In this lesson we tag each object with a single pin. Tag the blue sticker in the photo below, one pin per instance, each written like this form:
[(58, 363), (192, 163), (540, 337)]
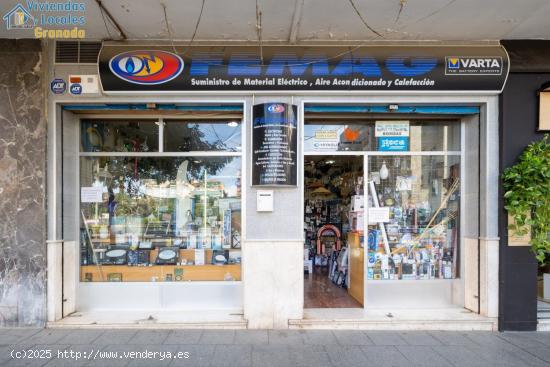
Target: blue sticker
[(76, 88), (58, 86), (393, 144)]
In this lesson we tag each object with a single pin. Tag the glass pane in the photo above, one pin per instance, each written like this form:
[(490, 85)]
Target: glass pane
[(419, 197), (330, 137), (185, 136), (431, 135), (119, 136), (160, 219)]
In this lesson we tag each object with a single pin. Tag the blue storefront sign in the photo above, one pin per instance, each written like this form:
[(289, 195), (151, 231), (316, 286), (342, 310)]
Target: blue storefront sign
[(393, 144)]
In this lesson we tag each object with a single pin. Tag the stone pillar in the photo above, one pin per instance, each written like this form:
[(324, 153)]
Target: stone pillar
[(22, 185)]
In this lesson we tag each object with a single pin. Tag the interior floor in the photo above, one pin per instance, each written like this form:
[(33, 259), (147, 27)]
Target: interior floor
[(321, 292)]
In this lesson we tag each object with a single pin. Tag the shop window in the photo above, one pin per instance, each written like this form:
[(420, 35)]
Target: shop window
[(183, 136), (158, 217), (418, 198), (119, 136), (331, 136)]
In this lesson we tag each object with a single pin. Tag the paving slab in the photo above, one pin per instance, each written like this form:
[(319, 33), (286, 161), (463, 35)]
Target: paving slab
[(352, 337)]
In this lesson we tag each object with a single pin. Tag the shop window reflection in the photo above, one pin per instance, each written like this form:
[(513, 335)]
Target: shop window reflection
[(160, 218), (119, 136), (183, 136)]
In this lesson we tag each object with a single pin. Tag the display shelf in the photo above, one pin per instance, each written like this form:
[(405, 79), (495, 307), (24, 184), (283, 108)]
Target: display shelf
[(100, 273)]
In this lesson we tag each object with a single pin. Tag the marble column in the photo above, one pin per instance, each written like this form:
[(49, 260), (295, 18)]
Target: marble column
[(22, 184)]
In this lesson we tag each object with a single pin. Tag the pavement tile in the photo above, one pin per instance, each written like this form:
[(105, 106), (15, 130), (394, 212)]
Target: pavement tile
[(81, 336), (251, 337), (487, 339), (46, 336), (232, 356), (352, 337), (452, 337), (271, 356), (191, 336), (319, 337), (419, 338), (461, 356), (115, 337), (16, 335), (541, 336), (348, 355), (540, 352), (419, 355), (386, 338), (310, 355), (288, 337), (217, 337), (521, 340), (384, 356), (150, 337), (199, 356), (507, 355)]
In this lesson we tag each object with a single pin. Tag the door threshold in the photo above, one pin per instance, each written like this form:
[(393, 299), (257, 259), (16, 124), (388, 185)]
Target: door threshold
[(393, 319), (152, 319)]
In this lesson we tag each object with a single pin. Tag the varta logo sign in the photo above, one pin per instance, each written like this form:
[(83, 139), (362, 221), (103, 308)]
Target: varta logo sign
[(468, 65)]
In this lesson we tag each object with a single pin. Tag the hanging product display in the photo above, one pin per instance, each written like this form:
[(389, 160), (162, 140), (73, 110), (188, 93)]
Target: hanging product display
[(418, 239)]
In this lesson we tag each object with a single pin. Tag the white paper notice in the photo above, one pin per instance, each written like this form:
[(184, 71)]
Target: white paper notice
[(379, 215), (199, 256), (91, 194)]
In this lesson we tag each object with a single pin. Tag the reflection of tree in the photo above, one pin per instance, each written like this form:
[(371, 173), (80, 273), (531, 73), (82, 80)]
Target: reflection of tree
[(129, 178), (193, 138)]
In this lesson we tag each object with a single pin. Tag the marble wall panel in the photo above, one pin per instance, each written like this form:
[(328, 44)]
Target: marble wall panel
[(22, 184)]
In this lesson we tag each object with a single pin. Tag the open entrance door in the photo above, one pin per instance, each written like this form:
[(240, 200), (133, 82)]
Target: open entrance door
[(333, 226)]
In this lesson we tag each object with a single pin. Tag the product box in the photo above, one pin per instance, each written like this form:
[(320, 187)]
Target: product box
[(356, 221), (357, 203)]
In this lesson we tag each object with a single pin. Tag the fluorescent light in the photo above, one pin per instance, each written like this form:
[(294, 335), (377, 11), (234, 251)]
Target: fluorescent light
[(233, 124)]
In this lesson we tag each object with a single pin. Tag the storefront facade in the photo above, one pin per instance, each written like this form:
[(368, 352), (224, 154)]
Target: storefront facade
[(154, 206)]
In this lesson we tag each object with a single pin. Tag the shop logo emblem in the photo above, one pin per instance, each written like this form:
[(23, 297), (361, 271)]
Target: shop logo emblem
[(18, 18), (58, 86), (76, 89), (276, 108), (473, 65), (146, 67), (452, 63)]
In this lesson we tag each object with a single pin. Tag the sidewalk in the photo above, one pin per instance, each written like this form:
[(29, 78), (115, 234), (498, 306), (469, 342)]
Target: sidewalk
[(287, 348)]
